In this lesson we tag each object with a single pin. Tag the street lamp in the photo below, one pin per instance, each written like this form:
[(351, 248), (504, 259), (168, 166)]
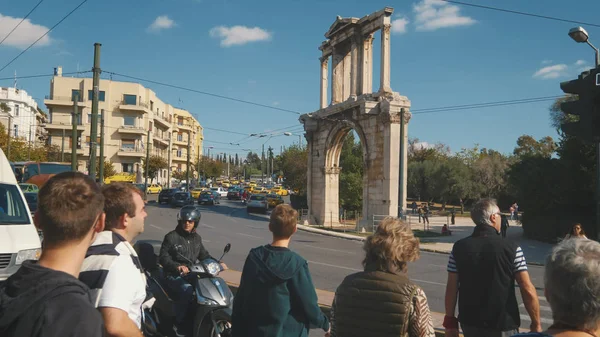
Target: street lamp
[(580, 35), (291, 134)]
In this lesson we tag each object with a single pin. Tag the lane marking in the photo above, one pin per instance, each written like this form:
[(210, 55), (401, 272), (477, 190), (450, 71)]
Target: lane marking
[(331, 249), (251, 236), (332, 265), (429, 282), (207, 226), (157, 227), (254, 227)]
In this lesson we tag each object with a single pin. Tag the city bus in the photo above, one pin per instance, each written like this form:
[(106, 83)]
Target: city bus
[(38, 173)]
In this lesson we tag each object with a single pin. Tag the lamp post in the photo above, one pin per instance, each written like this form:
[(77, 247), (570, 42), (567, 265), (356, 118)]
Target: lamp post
[(291, 134), (580, 35)]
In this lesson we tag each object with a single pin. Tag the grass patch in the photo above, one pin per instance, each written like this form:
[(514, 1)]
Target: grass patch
[(425, 234)]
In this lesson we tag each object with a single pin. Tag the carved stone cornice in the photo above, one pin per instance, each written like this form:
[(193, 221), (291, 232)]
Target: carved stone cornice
[(406, 114), (386, 29)]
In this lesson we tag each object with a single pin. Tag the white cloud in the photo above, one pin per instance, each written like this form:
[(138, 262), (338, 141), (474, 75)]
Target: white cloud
[(435, 14), (275, 103), (399, 25), (239, 35), (580, 62), (546, 61), (160, 23), (552, 72), (24, 35)]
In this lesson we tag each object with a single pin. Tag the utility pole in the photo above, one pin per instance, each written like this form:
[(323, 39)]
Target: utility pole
[(74, 133), (262, 170), (94, 128), (147, 164), (62, 147), (402, 166), (187, 171), (169, 163), (198, 164), (8, 140), (29, 147), (101, 173), (228, 160)]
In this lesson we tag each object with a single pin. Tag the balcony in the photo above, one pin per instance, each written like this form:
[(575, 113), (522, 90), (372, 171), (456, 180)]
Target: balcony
[(80, 152), (139, 107), (180, 159), (180, 142), (55, 100), (63, 126), (184, 126), (132, 129), (162, 121), (131, 152), (162, 141)]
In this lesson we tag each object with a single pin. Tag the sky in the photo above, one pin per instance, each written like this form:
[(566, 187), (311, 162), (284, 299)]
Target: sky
[(442, 55)]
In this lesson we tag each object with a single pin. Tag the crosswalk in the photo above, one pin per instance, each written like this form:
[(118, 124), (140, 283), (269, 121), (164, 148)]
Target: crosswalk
[(545, 312)]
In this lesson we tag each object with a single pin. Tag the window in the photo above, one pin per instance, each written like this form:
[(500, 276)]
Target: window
[(128, 144), (180, 137), (152, 106), (50, 115), (150, 126), (129, 120), (179, 120), (16, 131), (125, 167), (178, 167), (101, 95), (78, 119), (12, 208), (89, 119), (16, 110), (75, 92), (130, 99), (87, 141), (179, 153)]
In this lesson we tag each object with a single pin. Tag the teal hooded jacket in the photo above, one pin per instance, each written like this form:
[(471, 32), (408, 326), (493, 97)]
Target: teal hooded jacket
[(276, 296)]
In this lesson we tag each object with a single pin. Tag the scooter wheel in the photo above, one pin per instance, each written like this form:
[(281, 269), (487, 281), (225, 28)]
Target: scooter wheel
[(206, 329)]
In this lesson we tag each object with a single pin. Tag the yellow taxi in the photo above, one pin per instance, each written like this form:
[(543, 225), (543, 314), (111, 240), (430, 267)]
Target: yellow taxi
[(154, 189), (196, 192), (235, 182), (279, 191), (252, 184), (226, 184), (274, 200), (259, 190)]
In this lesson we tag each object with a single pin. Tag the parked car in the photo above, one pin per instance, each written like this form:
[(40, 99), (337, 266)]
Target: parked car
[(234, 193), (181, 199), (209, 197), (25, 188), (165, 195), (257, 202), (222, 192), (154, 188), (196, 192), (274, 200)]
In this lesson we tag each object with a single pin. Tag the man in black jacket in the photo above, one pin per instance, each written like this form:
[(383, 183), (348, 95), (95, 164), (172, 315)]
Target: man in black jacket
[(180, 247), (45, 298)]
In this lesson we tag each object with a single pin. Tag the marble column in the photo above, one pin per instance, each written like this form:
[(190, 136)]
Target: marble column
[(366, 67), (324, 80), (354, 74), (337, 77), (385, 60)]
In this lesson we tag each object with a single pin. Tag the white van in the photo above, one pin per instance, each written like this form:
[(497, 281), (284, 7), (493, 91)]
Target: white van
[(19, 239)]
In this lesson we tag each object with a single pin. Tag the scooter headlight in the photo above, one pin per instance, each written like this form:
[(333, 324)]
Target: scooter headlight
[(213, 268)]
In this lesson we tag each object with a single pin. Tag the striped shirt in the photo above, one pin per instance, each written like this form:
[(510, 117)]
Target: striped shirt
[(519, 264)]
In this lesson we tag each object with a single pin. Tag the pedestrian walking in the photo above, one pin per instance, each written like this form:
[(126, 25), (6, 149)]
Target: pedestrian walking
[(357, 308), (112, 269), (426, 214), (414, 207), (421, 211), (453, 216), (576, 232), (276, 296), (572, 289), (482, 270), (45, 298), (504, 225)]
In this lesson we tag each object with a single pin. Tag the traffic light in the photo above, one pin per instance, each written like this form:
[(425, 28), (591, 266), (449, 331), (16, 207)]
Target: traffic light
[(586, 106)]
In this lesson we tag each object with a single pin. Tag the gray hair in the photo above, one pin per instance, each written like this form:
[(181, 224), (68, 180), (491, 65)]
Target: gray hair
[(572, 281), (483, 210)]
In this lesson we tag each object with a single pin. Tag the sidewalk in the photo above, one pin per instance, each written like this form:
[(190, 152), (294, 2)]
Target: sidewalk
[(535, 251), (325, 298)]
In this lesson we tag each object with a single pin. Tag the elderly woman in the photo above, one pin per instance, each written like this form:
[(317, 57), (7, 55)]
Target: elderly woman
[(381, 301), (572, 282)]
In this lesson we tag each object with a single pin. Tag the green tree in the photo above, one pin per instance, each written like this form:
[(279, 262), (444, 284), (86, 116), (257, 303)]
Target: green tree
[(155, 164), (253, 160), (528, 146), (294, 166), (109, 169), (351, 174)]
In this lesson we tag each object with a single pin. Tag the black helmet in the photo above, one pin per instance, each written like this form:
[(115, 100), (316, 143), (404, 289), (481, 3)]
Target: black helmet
[(189, 213)]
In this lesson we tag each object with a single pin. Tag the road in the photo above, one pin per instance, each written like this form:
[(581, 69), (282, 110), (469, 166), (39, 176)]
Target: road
[(330, 259)]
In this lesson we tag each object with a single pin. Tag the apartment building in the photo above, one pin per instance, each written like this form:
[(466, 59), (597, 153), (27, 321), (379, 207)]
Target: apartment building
[(22, 114), (186, 130), (131, 111)]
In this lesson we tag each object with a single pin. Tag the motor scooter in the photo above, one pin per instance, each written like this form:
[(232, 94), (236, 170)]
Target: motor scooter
[(211, 309)]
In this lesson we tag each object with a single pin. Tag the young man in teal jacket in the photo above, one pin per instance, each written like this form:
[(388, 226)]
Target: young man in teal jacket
[(276, 296)]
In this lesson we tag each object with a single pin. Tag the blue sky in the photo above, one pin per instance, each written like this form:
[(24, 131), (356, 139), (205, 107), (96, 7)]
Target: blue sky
[(266, 52)]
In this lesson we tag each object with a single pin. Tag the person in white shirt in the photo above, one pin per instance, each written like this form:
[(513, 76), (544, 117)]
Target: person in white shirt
[(112, 269)]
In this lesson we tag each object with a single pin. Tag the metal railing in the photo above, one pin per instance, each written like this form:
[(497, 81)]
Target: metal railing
[(140, 104), (132, 127), (63, 98), (132, 149)]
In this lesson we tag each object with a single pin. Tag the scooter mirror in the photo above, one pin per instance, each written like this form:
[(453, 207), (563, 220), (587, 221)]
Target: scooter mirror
[(227, 248)]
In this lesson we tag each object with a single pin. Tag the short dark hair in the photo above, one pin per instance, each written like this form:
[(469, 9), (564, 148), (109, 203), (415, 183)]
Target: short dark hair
[(69, 205), (283, 221), (118, 202)]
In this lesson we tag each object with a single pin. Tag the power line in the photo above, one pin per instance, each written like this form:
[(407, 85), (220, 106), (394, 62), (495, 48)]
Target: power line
[(20, 22), (204, 93), (46, 33), (522, 13), (226, 131), (485, 105), (43, 75)]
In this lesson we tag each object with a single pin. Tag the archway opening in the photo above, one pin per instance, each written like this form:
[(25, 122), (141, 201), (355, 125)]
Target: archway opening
[(351, 179)]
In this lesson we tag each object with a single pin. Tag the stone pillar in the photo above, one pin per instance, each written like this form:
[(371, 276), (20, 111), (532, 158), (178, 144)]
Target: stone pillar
[(324, 77), (366, 67), (354, 73), (385, 60), (405, 116), (331, 216), (347, 76), (337, 77)]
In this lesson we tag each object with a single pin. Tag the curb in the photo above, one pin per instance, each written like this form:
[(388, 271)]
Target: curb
[(361, 239)]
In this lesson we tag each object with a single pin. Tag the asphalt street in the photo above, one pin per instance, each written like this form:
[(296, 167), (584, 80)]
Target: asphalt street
[(330, 259)]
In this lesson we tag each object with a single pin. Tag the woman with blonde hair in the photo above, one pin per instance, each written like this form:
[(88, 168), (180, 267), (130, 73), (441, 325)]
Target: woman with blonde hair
[(381, 301)]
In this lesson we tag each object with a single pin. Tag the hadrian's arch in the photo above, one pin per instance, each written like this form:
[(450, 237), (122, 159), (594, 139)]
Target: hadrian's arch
[(379, 118)]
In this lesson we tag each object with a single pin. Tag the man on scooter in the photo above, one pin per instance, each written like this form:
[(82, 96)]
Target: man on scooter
[(179, 247)]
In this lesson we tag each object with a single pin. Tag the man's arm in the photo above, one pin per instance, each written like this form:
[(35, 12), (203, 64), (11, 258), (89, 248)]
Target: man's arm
[(530, 299), (118, 323), (165, 258), (304, 291), (450, 320)]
